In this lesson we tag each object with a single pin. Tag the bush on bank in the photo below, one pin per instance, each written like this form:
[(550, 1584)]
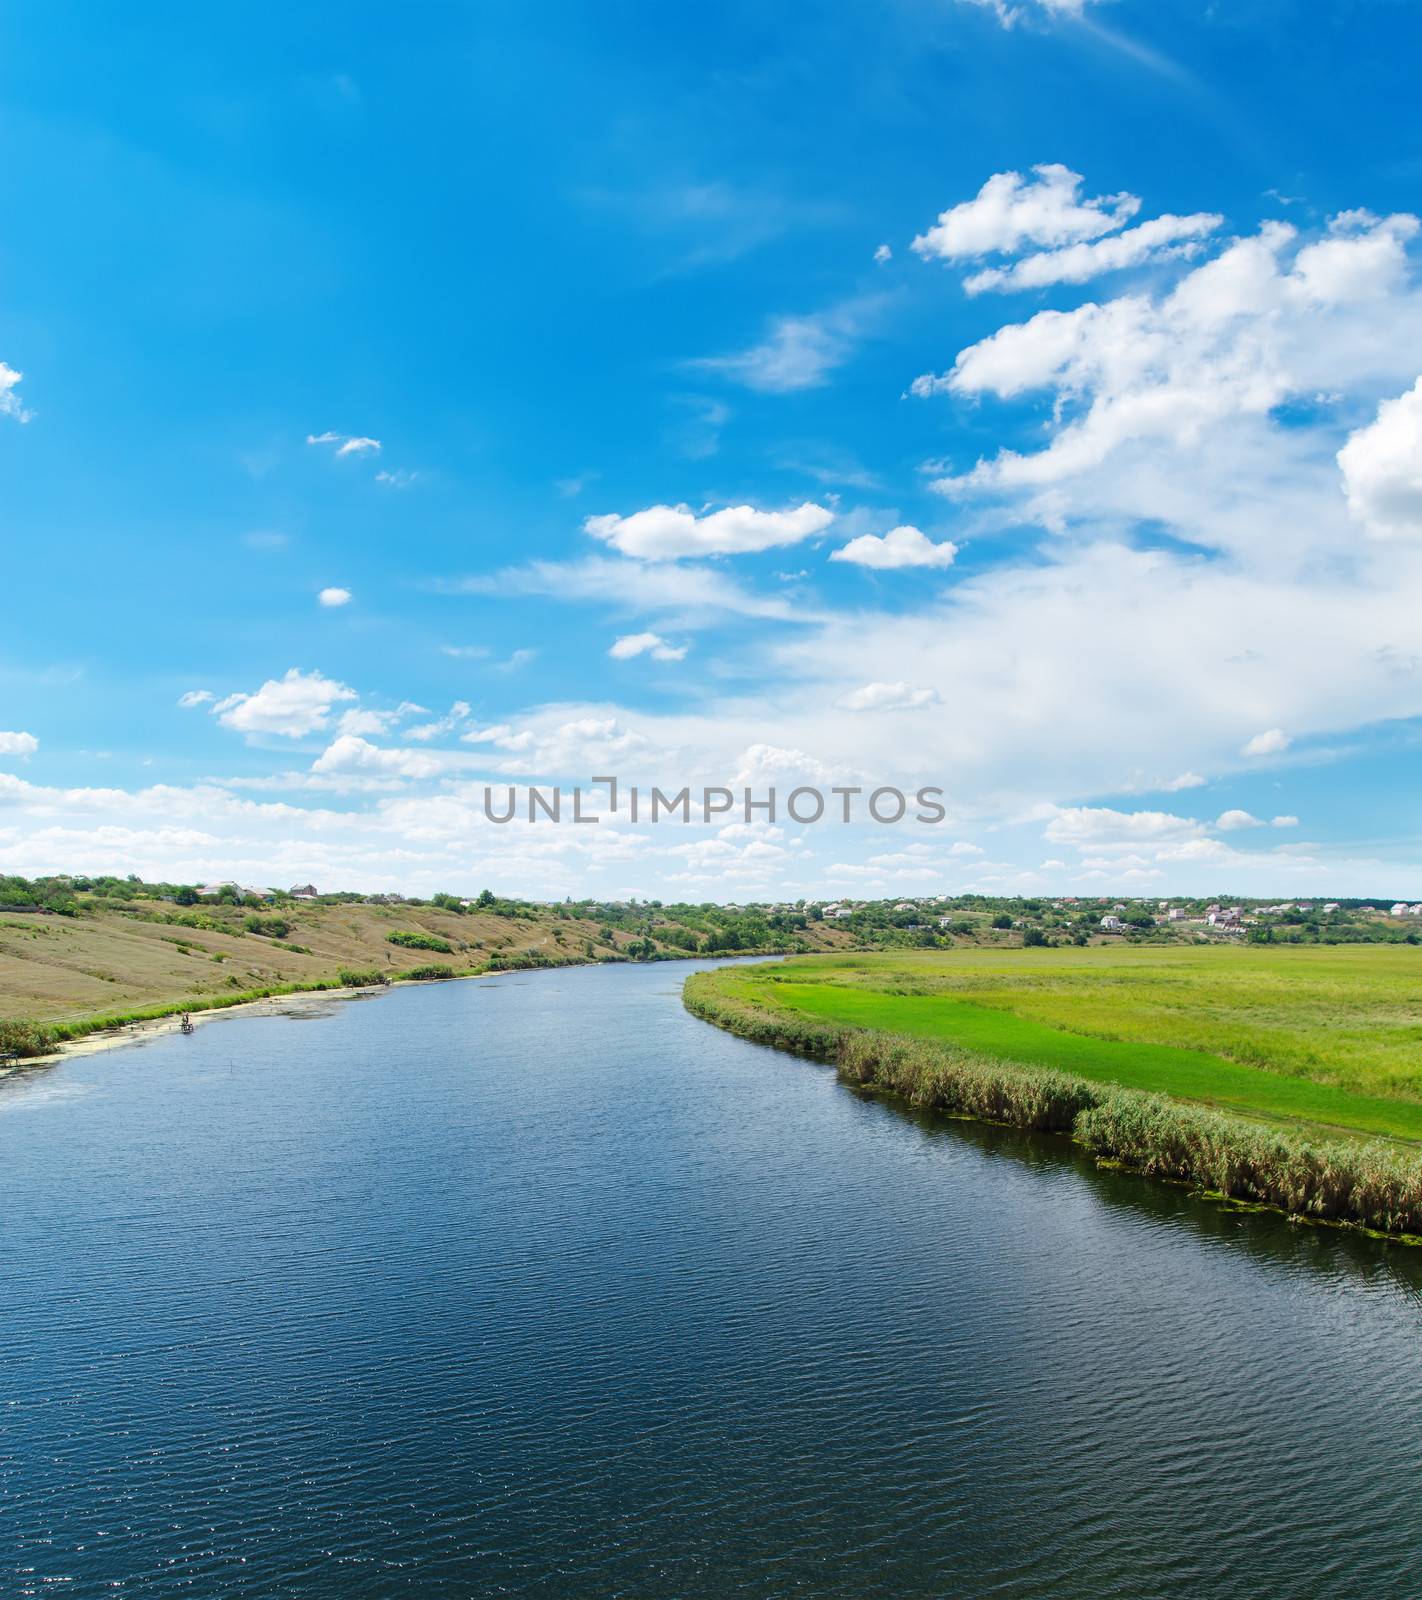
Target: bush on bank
[(1371, 1184)]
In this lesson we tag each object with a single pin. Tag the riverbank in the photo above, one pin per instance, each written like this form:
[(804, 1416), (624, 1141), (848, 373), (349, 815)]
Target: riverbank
[(88, 1036), (103, 960), (1368, 1185)]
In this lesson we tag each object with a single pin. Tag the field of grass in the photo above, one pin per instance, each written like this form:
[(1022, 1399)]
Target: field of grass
[(1326, 1038)]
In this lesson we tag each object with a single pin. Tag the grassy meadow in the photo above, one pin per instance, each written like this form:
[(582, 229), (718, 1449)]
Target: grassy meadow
[(1290, 1078), (1324, 1036)]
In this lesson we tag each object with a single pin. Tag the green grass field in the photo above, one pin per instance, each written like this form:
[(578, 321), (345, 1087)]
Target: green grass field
[(1328, 1037)]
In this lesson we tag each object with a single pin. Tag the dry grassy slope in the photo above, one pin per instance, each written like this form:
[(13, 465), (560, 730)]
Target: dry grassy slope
[(67, 968)]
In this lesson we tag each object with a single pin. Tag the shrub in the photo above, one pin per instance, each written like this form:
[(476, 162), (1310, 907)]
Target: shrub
[(22, 1038), (270, 927), (426, 974), (354, 978), (421, 941)]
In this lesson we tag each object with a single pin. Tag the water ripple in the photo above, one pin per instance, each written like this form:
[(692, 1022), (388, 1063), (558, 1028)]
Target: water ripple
[(542, 1288)]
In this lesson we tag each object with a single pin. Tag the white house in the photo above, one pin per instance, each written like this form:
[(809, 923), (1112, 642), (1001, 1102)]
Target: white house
[(1111, 924)]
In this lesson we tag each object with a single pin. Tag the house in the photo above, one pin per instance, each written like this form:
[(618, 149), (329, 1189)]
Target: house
[(945, 922), (1401, 909), (303, 891), (1112, 924), (841, 912), (1175, 914), (905, 905), (1331, 907)]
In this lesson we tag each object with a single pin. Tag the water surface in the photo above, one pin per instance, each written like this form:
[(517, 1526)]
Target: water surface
[(540, 1287)]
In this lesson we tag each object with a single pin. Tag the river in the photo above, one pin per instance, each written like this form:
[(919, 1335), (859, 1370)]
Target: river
[(538, 1286)]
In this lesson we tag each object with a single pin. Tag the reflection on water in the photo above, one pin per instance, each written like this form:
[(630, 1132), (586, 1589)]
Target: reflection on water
[(541, 1287)]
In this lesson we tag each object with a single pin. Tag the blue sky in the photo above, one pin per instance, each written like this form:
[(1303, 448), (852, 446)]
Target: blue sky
[(1110, 306)]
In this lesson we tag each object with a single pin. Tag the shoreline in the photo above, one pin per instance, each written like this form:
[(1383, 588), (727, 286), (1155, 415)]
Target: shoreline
[(1365, 1188), (313, 998)]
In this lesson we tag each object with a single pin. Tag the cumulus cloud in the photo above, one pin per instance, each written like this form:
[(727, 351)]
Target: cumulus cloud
[(1272, 742), (901, 547), (291, 707), (1230, 821), (1382, 469), (1011, 211), (1101, 827), (347, 444), (350, 753), (665, 533), (888, 697), (1078, 263), (1232, 341), (18, 744), (638, 644), (334, 597), (1284, 822), (196, 697), (10, 405)]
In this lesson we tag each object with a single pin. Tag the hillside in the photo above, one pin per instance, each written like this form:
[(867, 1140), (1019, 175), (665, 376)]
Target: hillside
[(107, 957)]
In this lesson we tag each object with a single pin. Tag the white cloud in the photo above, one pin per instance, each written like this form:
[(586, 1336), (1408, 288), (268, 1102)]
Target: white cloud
[(454, 718), (883, 253), (1284, 822), (1102, 828), (350, 753), (888, 697), (798, 352), (1230, 821), (694, 595), (10, 404), (900, 547), (1186, 780), (1011, 211), (334, 597), (291, 707), (196, 697), (400, 478), (363, 721), (664, 533), (18, 744), (1235, 338), (637, 644), (1077, 263), (1010, 15), (1272, 742), (1382, 469), (346, 444)]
